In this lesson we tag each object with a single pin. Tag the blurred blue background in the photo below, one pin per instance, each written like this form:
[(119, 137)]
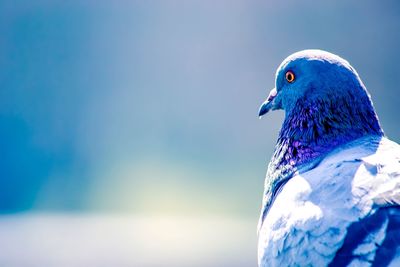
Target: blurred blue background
[(136, 115)]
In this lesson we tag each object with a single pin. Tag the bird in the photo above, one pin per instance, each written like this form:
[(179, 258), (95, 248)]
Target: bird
[(332, 188)]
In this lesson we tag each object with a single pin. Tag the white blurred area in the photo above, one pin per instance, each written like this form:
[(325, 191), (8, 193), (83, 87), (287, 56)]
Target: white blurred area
[(72, 239)]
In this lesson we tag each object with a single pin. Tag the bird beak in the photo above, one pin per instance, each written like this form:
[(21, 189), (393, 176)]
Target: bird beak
[(268, 104)]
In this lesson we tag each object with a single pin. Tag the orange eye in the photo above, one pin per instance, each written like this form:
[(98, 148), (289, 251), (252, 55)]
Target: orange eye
[(289, 76)]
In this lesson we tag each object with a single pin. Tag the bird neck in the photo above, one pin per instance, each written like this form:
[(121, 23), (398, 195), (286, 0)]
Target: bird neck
[(310, 131), (314, 128)]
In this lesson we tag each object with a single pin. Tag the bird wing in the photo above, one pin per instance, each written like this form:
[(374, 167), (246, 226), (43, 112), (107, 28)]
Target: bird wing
[(374, 239), (344, 211)]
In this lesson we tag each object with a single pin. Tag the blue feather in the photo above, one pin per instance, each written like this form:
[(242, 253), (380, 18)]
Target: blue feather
[(330, 149)]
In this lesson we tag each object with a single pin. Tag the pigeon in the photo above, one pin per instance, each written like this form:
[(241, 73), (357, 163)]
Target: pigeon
[(332, 188)]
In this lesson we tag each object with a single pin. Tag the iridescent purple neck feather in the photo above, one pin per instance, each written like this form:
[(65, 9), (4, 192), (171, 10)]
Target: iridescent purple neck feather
[(313, 129)]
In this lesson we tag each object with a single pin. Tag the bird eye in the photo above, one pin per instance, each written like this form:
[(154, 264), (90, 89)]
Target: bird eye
[(289, 76)]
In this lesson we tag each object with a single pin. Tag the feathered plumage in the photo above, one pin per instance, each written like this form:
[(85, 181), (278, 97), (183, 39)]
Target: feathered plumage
[(332, 189)]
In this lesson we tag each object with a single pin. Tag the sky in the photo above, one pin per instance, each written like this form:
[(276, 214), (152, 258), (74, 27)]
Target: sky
[(149, 108)]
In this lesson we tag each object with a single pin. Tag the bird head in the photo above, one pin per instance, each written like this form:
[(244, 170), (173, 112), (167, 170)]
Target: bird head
[(311, 76), (325, 104)]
